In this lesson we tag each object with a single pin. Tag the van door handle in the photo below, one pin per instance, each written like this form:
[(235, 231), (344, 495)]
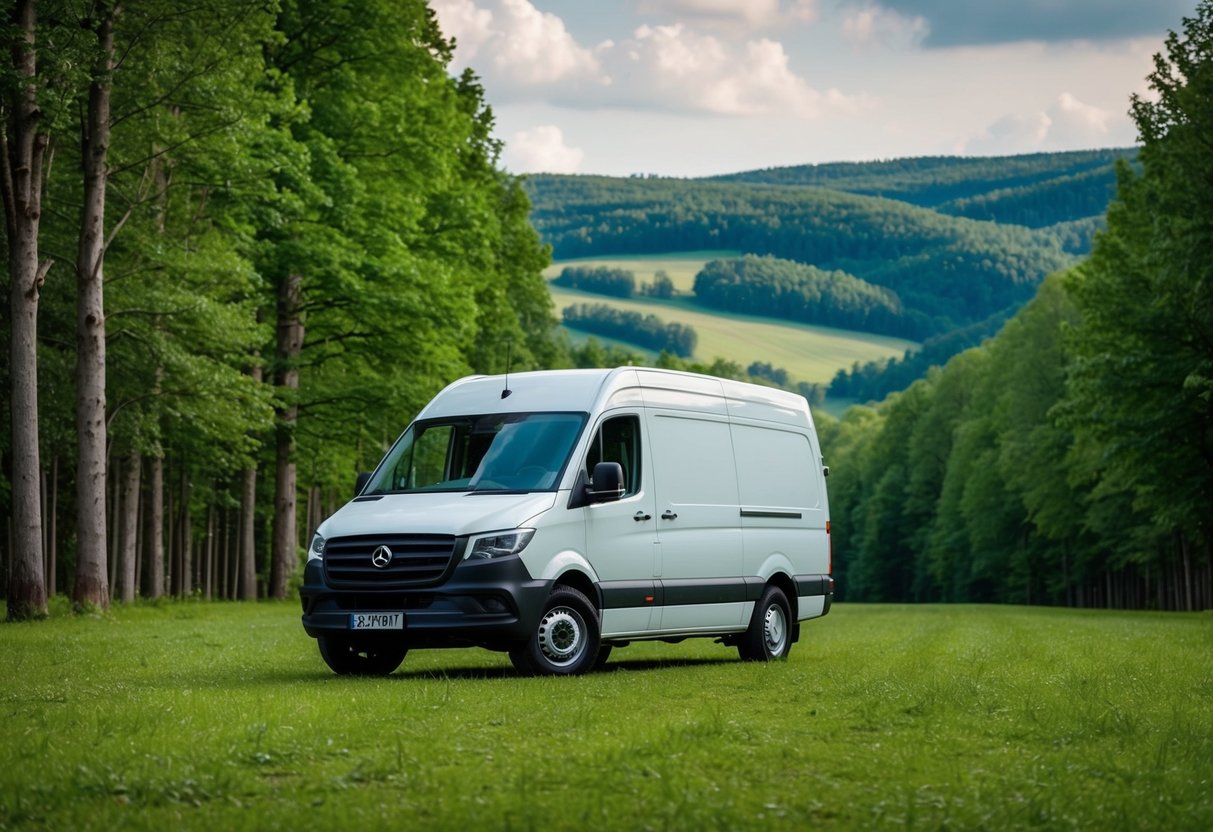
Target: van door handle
[(668, 515), (640, 517)]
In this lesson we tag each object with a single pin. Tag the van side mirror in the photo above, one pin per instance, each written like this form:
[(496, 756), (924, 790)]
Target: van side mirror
[(363, 478), (607, 483)]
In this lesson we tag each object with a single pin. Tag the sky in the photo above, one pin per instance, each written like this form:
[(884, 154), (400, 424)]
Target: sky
[(702, 87)]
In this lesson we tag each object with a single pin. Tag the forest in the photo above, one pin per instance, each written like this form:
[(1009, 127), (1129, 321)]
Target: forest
[(947, 271), (647, 331), (601, 280), (1037, 190), (227, 293), (245, 242), (1069, 460), (778, 288)]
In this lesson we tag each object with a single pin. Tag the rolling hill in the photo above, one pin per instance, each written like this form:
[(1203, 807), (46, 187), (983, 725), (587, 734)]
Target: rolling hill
[(952, 242)]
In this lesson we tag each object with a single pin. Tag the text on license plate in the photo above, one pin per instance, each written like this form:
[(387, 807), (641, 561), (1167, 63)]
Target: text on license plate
[(377, 621)]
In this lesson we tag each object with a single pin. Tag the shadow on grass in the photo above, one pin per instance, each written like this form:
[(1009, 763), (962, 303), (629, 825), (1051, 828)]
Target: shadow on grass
[(646, 665), (278, 676)]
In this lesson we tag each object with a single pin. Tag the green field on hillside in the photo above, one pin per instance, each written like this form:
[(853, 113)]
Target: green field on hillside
[(808, 353), (195, 715)]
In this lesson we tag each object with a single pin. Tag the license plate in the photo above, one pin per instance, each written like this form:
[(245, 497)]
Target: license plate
[(377, 621)]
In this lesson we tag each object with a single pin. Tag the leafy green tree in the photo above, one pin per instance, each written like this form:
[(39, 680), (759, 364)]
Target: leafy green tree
[(1140, 393)]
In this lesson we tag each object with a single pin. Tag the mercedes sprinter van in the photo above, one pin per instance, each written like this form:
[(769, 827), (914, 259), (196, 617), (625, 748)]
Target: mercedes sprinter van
[(557, 515)]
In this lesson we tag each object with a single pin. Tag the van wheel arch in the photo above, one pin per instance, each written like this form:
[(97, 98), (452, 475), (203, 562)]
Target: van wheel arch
[(788, 586), (582, 583)]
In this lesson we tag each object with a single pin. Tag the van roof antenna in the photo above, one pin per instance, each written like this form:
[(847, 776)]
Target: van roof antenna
[(506, 392)]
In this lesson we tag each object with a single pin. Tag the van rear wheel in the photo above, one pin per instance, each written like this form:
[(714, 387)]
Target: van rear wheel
[(566, 639), (347, 657), (770, 633)]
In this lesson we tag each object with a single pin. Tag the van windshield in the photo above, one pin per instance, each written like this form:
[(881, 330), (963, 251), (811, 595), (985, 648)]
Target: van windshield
[(513, 452)]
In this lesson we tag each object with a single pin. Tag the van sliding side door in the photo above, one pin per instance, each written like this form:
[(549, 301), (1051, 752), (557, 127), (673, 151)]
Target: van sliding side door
[(697, 511)]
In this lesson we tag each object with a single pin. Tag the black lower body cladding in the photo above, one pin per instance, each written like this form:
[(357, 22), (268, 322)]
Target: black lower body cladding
[(489, 603)]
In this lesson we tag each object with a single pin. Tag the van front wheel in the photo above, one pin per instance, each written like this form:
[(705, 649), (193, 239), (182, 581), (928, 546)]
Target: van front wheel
[(565, 641), (770, 633)]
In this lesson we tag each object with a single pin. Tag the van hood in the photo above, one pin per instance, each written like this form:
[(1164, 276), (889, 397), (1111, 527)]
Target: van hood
[(445, 513)]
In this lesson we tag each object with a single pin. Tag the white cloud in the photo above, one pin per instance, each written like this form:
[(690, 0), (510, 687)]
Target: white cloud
[(675, 68), (1076, 123), (524, 47), (872, 23), (1066, 125), (526, 54), (471, 27), (542, 150)]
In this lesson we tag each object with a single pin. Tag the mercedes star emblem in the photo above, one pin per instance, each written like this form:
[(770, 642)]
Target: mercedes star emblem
[(381, 557)]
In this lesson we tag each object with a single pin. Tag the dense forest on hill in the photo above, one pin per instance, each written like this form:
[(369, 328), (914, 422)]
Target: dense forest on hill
[(875, 380), (1069, 460), (779, 288), (1036, 190), (946, 271)]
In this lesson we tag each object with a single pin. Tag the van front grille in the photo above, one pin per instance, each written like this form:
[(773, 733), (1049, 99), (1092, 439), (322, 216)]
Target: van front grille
[(416, 560)]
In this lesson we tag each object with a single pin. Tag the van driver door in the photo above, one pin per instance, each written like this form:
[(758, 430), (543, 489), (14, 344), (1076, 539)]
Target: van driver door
[(621, 535)]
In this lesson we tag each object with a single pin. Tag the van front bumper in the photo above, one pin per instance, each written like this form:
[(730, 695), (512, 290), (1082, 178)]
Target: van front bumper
[(487, 603)]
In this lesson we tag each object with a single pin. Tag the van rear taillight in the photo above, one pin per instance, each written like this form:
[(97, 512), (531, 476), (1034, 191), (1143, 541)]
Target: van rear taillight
[(830, 544)]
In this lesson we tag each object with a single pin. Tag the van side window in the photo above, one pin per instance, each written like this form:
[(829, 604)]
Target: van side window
[(618, 440)]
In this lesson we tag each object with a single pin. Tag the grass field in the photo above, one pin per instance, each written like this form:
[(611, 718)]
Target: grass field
[(808, 353), (222, 716)]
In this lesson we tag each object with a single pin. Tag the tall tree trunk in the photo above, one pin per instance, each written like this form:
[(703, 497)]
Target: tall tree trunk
[(24, 149), (52, 538), (208, 558), (92, 586), (154, 527), (248, 541), (128, 550), (114, 473), (248, 518), (186, 536), (284, 552), (170, 537)]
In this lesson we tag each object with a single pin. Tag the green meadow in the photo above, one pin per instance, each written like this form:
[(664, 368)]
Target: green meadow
[(222, 716), (808, 353)]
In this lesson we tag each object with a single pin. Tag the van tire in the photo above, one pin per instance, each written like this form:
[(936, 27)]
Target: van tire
[(566, 639), (346, 657), (604, 653), (769, 635)]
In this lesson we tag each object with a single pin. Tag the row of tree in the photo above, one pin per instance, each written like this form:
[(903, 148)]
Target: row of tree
[(647, 331), (244, 241), (1069, 460), (600, 280), (792, 291)]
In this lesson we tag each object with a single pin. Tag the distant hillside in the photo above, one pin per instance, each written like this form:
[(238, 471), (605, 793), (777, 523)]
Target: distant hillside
[(946, 271), (1036, 190)]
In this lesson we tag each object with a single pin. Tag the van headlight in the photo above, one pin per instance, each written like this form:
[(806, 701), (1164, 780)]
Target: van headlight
[(316, 550), (498, 544)]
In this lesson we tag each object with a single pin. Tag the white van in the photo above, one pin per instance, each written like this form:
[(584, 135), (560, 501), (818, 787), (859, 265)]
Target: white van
[(556, 515)]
